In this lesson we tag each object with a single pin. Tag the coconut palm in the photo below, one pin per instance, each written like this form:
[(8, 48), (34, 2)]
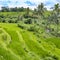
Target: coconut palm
[(40, 9)]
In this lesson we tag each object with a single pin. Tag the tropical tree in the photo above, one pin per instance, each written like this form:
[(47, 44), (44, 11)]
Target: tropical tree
[(53, 18), (26, 15), (56, 8), (27, 11), (35, 11), (40, 9), (56, 13)]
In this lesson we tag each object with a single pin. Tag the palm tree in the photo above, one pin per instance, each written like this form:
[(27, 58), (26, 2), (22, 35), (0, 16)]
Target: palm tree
[(26, 15), (40, 9), (27, 11), (56, 14), (56, 8), (35, 11)]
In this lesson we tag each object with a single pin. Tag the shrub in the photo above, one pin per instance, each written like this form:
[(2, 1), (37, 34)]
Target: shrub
[(28, 21), (43, 23), (21, 26), (3, 21), (10, 21), (55, 57), (2, 16), (25, 16), (33, 28)]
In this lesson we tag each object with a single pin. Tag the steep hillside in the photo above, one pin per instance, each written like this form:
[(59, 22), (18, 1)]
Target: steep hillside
[(20, 44)]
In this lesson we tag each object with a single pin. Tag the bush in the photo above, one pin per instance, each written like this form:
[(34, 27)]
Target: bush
[(26, 16), (33, 28), (3, 21), (28, 21), (55, 57), (2, 16), (10, 21), (43, 23), (21, 26)]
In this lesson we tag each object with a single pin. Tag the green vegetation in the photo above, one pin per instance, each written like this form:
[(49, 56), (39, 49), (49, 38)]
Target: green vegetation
[(30, 34), (26, 45)]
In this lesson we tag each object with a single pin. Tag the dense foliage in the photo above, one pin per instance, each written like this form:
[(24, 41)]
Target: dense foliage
[(27, 34)]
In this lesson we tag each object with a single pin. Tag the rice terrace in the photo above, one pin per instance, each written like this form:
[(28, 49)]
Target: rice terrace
[(30, 31)]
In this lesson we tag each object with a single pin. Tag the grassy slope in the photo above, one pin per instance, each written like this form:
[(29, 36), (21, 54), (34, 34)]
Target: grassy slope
[(24, 45)]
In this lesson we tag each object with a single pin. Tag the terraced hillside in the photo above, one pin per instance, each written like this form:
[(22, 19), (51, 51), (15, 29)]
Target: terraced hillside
[(18, 44)]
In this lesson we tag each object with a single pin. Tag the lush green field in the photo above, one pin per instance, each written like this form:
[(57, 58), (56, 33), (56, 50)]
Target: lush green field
[(18, 44), (27, 34)]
